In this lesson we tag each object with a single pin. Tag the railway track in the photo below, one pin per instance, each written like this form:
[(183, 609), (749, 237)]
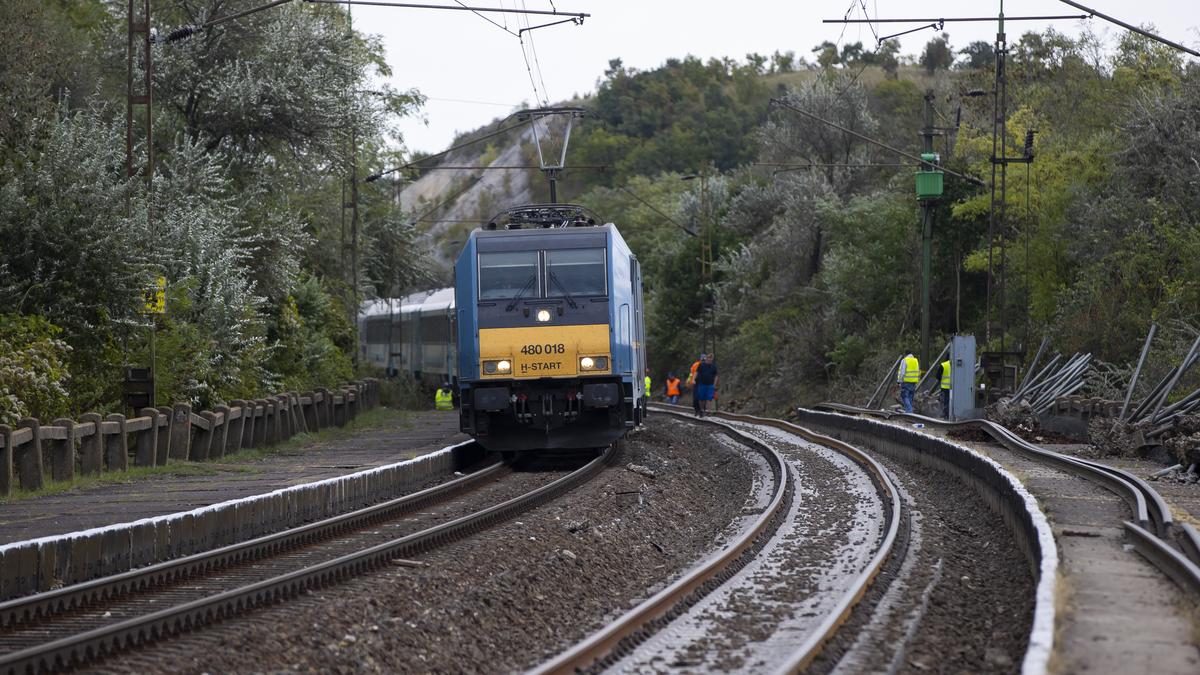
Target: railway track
[(1171, 546), (750, 563), (75, 625)]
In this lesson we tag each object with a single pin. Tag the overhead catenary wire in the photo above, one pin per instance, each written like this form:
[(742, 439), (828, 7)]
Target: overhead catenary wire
[(655, 209), (1131, 27), (376, 176), (784, 104)]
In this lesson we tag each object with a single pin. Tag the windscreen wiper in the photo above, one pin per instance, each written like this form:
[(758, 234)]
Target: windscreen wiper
[(524, 289), (566, 293)]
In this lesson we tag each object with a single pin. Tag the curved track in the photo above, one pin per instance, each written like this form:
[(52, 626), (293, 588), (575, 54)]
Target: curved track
[(1172, 547), (722, 573), (74, 625)]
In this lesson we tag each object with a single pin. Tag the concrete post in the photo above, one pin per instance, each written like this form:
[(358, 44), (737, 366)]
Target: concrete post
[(298, 413), (6, 460), (233, 441), (162, 447), (221, 434), (352, 406), (29, 456), (181, 431), (116, 445), (277, 416), (311, 423), (147, 441), (202, 438), (260, 423), (324, 419), (62, 452), (91, 447), (284, 409), (250, 430)]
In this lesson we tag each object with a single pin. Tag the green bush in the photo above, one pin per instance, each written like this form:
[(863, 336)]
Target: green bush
[(33, 370)]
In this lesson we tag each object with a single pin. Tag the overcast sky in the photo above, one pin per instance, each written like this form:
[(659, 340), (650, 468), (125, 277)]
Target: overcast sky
[(473, 71)]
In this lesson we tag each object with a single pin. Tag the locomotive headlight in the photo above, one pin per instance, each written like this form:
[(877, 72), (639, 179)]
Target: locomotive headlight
[(593, 363), (493, 367), (543, 315)]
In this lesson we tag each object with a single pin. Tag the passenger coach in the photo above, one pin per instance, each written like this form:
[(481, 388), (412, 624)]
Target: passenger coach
[(550, 331)]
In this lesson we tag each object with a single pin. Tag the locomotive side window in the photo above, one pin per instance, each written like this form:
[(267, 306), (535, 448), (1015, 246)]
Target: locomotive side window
[(503, 276), (576, 271)]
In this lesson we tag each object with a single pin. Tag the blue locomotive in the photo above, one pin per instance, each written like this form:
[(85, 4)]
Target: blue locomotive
[(551, 338)]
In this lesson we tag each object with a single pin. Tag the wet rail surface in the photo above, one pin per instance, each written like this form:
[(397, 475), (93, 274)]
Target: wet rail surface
[(75, 625), (785, 580)]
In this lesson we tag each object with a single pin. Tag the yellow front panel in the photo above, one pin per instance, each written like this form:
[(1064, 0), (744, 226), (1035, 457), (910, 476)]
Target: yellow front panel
[(543, 351)]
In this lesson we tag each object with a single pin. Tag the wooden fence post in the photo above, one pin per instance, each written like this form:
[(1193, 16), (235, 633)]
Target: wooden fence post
[(221, 434), (6, 460), (162, 449), (62, 451), (147, 439), (181, 431), (91, 446), (29, 457), (233, 441), (116, 446)]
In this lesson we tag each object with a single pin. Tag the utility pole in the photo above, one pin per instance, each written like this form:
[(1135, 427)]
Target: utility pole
[(927, 200), (999, 128), (139, 93)]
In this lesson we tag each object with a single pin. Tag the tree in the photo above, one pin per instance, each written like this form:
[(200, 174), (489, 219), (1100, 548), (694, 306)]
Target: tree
[(980, 56), (784, 62), (887, 57), (827, 55), (937, 54)]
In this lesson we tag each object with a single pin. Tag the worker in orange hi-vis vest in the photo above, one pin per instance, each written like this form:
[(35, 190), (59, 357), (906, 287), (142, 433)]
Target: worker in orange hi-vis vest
[(672, 389), (691, 383)]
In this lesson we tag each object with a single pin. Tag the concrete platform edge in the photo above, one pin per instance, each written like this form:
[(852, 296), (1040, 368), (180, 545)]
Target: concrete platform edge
[(49, 562), (1001, 489)]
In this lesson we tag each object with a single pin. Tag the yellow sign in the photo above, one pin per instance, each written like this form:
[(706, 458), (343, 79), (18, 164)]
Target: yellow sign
[(542, 351), (156, 297)]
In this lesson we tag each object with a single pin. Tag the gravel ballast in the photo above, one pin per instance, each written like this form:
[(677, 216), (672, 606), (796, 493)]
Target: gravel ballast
[(506, 599)]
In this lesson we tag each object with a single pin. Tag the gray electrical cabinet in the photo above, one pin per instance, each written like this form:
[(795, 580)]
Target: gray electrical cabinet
[(962, 377)]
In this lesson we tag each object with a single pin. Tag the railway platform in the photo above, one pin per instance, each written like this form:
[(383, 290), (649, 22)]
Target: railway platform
[(396, 437)]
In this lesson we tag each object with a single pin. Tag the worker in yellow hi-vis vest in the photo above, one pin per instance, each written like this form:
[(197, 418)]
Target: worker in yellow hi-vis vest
[(444, 398), (907, 376), (943, 376)]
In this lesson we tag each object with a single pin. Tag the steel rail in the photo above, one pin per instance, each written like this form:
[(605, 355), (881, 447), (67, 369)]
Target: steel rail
[(603, 642), (51, 603), (803, 657), (607, 640), (81, 648), (1152, 513)]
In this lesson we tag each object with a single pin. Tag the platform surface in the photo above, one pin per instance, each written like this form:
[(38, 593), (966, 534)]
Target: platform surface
[(396, 437)]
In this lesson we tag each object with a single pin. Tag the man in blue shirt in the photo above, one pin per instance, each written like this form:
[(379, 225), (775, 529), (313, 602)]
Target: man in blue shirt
[(706, 383)]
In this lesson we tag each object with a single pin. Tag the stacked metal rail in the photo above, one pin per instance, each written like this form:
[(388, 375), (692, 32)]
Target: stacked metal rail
[(1042, 387), (1153, 416)]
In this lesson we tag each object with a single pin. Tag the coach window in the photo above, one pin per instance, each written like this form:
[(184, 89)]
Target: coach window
[(575, 271), (503, 276)]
